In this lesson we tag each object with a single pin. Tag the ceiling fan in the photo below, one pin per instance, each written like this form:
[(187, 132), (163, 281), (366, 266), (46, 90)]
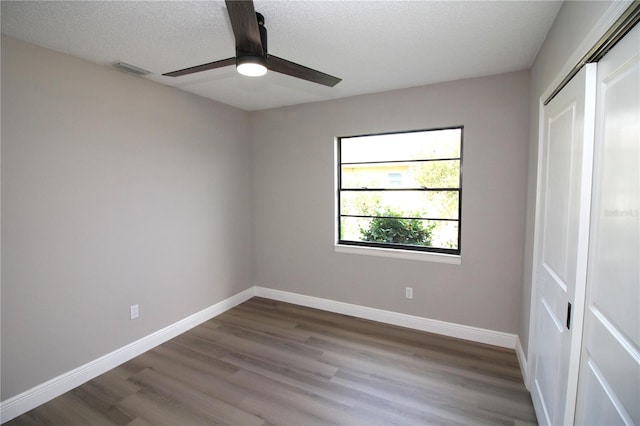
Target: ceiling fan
[(251, 50)]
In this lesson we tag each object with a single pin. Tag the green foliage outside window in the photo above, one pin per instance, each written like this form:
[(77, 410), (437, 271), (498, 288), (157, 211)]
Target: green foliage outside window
[(440, 174), (389, 227)]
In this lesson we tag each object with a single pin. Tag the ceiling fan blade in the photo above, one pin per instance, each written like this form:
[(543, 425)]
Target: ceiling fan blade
[(245, 26), (203, 67), (300, 71)]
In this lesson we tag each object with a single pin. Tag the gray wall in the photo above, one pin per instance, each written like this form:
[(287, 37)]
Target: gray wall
[(115, 191), (574, 21), (293, 200)]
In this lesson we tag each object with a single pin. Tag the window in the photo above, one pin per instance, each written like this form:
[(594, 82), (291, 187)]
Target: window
[(401, 190), (394, 179)]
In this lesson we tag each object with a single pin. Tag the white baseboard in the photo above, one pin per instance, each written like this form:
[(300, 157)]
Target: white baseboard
[(522, 360), (44, 392), (465, 332)]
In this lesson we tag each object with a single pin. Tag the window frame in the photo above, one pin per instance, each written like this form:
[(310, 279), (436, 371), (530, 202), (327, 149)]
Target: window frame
[(350, 246)]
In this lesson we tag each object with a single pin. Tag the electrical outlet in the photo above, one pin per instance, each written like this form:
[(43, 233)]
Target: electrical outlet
[(408, 292), (134, 311)]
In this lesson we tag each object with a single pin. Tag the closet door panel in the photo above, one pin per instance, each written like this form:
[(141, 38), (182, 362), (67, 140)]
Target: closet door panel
[(601, 410), (609, 383), (615, 273), (561, 250)]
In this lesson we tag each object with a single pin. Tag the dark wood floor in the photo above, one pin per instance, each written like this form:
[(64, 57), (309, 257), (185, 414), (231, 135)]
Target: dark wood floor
[(268, 363)]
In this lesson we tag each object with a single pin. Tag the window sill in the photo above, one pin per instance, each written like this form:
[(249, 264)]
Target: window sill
[(400, 254)]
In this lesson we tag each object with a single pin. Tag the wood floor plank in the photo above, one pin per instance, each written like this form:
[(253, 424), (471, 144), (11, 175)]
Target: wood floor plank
[(215, 410), (301, 380), (267, 363), (157, 409)]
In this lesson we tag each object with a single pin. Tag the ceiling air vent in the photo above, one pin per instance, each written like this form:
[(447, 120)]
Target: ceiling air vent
[(131, 69)]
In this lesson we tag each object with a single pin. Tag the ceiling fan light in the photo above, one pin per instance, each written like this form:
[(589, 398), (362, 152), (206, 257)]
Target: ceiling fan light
[(251, 66)]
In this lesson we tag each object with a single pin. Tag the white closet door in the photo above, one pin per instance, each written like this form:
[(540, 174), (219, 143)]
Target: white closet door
[(609, 385), (561, 246)]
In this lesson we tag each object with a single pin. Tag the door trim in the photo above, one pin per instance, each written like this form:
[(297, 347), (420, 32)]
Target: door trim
[(618, 30), (606, 23)]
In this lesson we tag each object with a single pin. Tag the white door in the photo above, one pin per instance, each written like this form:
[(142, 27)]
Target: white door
[(609, 385), (561, 246)]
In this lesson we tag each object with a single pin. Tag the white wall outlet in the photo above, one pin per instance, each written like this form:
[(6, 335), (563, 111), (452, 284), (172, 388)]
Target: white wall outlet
[(134, 311), (408, 292)]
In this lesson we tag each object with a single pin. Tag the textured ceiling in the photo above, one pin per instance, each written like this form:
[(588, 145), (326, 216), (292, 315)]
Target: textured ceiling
[(373, 46)]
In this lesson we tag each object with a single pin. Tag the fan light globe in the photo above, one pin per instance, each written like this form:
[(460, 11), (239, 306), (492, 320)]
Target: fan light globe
[(251, 66)]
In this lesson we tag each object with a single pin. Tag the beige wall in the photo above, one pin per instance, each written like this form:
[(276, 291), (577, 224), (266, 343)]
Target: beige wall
[(115, 191), (575, 20), (293, 199)]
